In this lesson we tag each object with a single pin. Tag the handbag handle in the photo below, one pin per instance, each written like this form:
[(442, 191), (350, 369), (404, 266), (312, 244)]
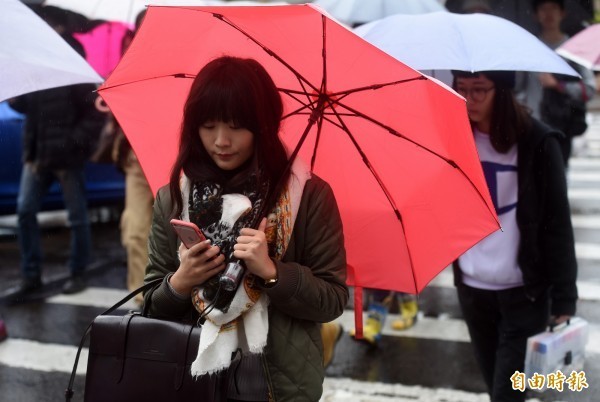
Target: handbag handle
[(69, 391), (553, 324)]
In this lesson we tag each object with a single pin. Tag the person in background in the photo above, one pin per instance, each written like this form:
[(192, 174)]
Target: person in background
[(547, 95), (137, 215), (231, 158), (476, 6), (61, 128), (380, 303), (516, 281)]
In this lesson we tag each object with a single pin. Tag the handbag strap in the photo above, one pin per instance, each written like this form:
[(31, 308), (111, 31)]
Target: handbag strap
[(69, 391)]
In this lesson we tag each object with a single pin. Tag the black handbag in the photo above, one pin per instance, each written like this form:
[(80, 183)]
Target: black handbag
[(138, 358)]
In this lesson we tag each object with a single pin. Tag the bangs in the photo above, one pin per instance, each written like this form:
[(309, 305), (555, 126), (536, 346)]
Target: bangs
[(228, 100)]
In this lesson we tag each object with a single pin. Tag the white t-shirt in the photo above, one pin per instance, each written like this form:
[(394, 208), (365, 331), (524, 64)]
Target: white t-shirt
[(492, 263)]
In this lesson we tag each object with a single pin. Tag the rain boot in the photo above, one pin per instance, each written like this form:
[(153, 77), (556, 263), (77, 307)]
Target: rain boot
[(408, 315), (331, 332), (376, 315)]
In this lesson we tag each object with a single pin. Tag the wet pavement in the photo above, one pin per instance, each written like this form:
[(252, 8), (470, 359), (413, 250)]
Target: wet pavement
[(432, 361)]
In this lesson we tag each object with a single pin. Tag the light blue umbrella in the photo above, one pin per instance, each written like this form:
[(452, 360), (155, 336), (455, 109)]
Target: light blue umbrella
[(33, 56), (469, 42), (361, 11)]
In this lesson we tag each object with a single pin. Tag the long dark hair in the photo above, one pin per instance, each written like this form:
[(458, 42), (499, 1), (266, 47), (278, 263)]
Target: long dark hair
[(237, 90), (510, 120)]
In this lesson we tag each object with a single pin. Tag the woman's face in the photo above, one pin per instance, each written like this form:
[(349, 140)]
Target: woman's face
[(228, 146), (479, 92)]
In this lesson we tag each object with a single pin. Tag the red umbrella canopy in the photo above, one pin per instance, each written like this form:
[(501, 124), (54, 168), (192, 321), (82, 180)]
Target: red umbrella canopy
[(395, 145)]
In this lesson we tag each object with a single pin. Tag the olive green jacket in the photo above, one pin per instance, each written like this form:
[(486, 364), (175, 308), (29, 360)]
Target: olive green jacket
[(310, 290)]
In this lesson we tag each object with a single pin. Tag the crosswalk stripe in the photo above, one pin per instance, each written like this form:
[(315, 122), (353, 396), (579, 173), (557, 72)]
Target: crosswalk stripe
[(94, 297), (591, 221), (584, 193), (25, 354), (584, 176), (346, 389), (587, 251), (588, 291), (448, 329), (48, 357), (579, 163)]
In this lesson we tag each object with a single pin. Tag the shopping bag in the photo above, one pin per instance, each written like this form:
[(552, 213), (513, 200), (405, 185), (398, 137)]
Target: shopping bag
[(559, 348)]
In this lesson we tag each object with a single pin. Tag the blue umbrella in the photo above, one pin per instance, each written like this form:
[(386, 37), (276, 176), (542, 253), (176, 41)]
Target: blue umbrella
[(470, 42), (361, 11)]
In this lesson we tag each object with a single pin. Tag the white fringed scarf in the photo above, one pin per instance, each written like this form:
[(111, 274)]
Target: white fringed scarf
[(245, 324)]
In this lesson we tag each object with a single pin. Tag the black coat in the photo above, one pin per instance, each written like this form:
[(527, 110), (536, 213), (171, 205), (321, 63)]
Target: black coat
[(547, 248), (62, 124)]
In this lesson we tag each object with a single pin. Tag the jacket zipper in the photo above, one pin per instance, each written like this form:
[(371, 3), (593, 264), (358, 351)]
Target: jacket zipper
[(268, 375)]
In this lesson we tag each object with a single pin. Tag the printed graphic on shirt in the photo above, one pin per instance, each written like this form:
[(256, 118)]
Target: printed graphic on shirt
[(499, 177)]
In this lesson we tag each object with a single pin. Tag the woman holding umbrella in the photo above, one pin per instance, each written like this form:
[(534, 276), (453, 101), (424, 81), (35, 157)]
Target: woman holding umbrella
[(231, 159), (515, 281)]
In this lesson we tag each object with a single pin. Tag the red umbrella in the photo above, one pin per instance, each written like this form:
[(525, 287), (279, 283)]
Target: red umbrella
[(395, 145)]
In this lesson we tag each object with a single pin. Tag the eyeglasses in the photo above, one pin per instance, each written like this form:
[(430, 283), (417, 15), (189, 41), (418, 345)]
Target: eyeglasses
[(477, 94)]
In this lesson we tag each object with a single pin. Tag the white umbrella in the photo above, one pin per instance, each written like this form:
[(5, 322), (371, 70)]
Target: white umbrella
[(33, 56), (361, 11), (471, 42), (128, 10)]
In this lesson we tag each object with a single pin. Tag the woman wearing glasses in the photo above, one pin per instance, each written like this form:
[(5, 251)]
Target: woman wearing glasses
[(515, 281)]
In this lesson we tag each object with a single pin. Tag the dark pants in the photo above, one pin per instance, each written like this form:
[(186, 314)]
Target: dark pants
[(499, 323)]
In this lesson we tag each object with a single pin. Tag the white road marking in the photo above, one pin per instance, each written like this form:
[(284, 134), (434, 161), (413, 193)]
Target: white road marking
[(584, 176), (587, 251), (48, 357), (591, 194), (589, 290), (95, 297), (449, 329), (346, 390), (591, 221), (20, 353)]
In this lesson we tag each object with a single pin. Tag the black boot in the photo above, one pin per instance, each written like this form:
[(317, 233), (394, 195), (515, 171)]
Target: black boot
[(24, 289), (74, 285)]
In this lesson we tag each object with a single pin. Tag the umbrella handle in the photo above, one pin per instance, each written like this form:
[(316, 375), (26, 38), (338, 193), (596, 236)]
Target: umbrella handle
[(232, 275)]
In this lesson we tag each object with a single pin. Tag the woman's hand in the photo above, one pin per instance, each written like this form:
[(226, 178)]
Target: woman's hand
[(252, 247), (548, 80), (556, 320), (198, 264)]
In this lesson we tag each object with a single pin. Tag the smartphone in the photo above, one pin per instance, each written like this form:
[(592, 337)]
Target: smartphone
[(188, 232)]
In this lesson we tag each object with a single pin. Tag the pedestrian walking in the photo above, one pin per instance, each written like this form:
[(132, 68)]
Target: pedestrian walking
[(60, 131), (515, 281), (558, 100), (231, 158), (137, 214)]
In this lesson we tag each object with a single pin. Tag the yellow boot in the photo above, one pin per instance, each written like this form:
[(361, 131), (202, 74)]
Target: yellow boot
[(408, 315), (331, 333), (373, 325)]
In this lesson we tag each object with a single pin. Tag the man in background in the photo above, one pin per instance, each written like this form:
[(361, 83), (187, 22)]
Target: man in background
[(60, 131)]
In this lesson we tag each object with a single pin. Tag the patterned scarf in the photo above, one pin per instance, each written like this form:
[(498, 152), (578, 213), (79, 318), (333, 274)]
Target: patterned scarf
[(244, 325)]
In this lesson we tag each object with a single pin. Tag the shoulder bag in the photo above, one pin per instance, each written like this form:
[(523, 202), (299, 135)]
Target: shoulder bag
[(138, 358)]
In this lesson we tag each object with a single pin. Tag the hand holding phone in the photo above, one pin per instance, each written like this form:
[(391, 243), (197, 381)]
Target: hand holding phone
[(188, 232)]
